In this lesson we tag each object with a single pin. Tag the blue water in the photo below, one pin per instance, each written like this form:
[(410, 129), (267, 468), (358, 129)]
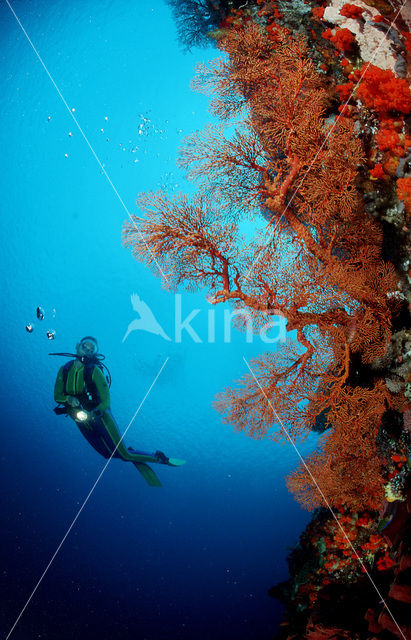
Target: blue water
[(195, 558)]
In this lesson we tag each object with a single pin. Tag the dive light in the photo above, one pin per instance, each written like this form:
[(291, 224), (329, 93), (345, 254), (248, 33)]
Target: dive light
[(81, 415)]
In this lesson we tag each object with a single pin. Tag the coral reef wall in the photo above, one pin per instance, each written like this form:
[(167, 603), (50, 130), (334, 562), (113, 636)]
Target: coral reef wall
[(316, 96)]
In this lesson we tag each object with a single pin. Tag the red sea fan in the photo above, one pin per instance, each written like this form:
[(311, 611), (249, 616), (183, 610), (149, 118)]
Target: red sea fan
[(346, 469), (343, 478)]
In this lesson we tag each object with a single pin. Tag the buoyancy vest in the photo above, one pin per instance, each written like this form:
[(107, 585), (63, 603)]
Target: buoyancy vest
[(89, 398)]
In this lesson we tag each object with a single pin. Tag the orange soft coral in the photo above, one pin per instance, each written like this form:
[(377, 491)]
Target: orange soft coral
[(342, 39), (385, 562), (318, 12), (404, 192), (377, 173), (351, 11), (345, 91), (273, 32), (407, 41), (381, 90), (389, 139)]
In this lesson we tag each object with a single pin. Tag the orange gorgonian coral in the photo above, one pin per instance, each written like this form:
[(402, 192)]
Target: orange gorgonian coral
[(318, 264), (347, 469)]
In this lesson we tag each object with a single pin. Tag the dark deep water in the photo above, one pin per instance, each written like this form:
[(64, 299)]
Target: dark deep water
[(195, 558)]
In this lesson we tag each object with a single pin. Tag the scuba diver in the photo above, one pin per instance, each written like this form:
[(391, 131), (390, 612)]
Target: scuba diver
[(82, 391)]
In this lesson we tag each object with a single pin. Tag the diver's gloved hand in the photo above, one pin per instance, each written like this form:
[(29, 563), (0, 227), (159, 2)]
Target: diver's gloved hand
[(73, 401), (161, 457)]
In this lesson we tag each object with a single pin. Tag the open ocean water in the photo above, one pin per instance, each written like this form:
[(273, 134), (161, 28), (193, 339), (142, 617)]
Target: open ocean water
[(195, 558)]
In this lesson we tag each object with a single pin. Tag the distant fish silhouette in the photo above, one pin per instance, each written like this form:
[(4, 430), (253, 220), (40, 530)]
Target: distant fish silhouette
[(146, 322)]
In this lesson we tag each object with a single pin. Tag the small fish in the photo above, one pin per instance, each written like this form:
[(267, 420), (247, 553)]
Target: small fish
[(51, 334), (29, 328), (40, 313)]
